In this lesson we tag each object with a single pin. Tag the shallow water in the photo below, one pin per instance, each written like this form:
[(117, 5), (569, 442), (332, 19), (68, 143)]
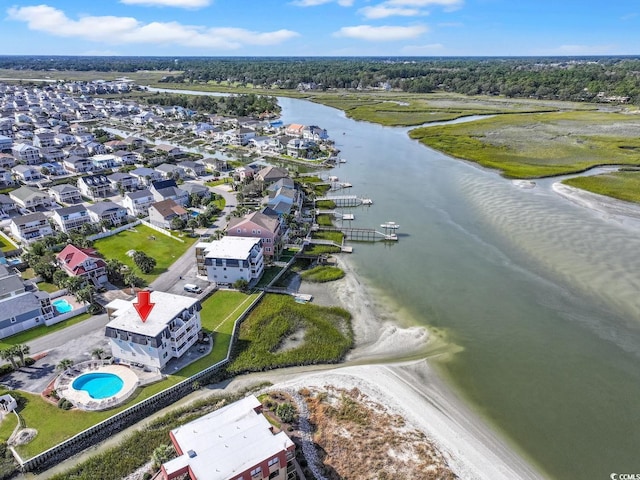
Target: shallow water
[(539, 295)]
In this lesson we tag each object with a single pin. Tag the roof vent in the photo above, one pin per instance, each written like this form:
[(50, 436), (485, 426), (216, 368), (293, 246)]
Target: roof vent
[(192, 453)]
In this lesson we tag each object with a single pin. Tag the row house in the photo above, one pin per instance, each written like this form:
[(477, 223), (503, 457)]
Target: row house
[(161, 214), (29, 197), (109, 212), (103, 162), (26, 173), (7, 204), (44, 139), (6, 143), (76, 164), (31, 227), (6, 178), (71, 218), (168, 189), (54, 168), (138, 202), (64, 139), (125, 158), (21, 309), (25, 153), (7, 160), (76, 151), (192, 169), (66, 193), (125, 181), (95, 186), (51, 154), (145, 176)]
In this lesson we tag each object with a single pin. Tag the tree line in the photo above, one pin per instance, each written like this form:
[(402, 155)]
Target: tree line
[(563, 78), (229, 105)]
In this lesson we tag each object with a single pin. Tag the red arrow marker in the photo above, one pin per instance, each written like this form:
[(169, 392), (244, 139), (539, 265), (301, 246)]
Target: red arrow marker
[(144, 305)]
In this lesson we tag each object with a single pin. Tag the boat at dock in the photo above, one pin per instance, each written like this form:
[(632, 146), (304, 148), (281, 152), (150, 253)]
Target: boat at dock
[(390, 225)]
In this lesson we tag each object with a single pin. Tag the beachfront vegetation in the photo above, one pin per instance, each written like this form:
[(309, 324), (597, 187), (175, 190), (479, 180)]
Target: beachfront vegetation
[(531, 146), (326, 335), (164, 249), (623, 185), (322, 273)]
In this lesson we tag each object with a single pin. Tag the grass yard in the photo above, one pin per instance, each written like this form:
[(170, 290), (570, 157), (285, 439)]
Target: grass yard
[(219, 181), (621, 185), (334, 236), (47, 287), (219, 313), (325, 331), (268, 275), (540, 145), (164, 249)]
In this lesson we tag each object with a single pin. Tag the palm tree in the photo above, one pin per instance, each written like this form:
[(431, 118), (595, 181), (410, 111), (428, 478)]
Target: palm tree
[(8, 354), (97, 353), (22, 350), (64, 364)]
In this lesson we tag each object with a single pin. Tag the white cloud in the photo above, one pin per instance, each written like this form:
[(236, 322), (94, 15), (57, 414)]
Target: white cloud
[(381, 34), (128, 30), (448, 4), (315, 3), (189, 4), (382, 11), (422, 49)]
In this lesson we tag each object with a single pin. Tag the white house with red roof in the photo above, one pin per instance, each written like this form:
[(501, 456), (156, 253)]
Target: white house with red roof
[(81, 262)]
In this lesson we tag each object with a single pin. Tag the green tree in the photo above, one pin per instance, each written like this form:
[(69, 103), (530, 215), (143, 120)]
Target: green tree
[(286, 412), (241, 284), (74, 284), (85, 294), (64, 364), (21, 350), (115, 271), (131, 279), (97, 353), (144, 262), (177, 223), (60, 278), (192, 223), (9, 354)]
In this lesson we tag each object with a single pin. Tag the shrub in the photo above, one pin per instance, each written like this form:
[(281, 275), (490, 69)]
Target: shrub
[(323, 274), (286, 412), (64, 404)]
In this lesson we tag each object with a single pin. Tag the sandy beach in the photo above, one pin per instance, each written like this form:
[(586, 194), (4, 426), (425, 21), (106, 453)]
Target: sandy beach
[(412, 389)]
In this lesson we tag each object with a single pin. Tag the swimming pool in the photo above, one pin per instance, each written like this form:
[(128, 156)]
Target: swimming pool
[(99, 385), (62, 306), (194, 214)]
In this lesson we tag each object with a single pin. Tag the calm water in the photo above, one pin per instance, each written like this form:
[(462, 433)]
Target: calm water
[(542, 296)]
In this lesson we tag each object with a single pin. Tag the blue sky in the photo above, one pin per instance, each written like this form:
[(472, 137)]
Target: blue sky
[(321, 27)]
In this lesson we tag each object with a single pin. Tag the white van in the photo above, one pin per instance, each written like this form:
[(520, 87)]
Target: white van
[(190, 287)]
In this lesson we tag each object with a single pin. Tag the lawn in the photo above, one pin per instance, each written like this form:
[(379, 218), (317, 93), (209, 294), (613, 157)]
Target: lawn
[(47, 287), (268, 275), (164, 249), (621, 185), (219, 181), (539, 145), (321, 274), (219, 313), (6, 245)]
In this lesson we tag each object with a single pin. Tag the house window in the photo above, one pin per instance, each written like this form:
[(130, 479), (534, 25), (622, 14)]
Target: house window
[(258, 232), (273, 461), (256, 471), (274, 474), (239, 230), (268, 249)]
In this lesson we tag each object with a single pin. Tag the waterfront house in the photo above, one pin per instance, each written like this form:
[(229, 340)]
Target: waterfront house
[(255, 450), (79, 262), (31, 227), (271, 174), (162, 213), (170, 151), (21, 307), (170, 329), (71, 218), (259, 225), (230, 259), (138, 202)]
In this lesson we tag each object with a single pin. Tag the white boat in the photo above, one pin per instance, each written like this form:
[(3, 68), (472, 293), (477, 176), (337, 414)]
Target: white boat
[(366, 201), (390, 225), (342, 160)]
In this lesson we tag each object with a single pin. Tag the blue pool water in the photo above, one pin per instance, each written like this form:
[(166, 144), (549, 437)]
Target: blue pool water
[(62, 305), (98, 385), (195, 214)]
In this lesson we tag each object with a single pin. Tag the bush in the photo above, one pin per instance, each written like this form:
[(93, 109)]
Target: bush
[(64, 404), (4, 369), (286, 412), (322, 274)]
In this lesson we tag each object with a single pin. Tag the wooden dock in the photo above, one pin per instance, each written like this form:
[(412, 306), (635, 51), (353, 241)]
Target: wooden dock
[(361, 234), (346, 200)]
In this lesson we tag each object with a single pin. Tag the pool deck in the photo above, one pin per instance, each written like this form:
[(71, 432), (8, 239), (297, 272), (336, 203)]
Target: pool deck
[(81, 399)]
